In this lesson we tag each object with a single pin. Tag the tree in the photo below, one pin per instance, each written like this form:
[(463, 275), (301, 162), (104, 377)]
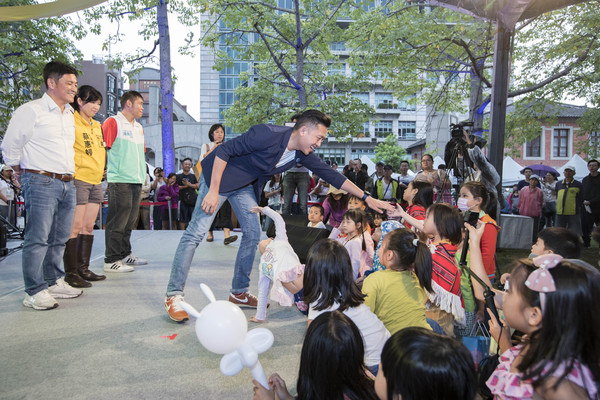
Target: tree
[(444, 57), (293, 67), (390, 152), (153, 16), (25, 47)]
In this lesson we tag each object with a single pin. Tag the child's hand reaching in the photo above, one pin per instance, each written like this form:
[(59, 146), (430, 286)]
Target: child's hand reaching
[(256, 210), (398, 212)]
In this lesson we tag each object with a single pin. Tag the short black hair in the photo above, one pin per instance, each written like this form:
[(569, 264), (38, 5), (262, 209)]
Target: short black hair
[(448, 221), (87, 94), (404, 161), (561, 241), (591, 161), (130, 95), (319, 207), (295, 117), (424, 196), (55, 70), (213, 128), (312, 118), (186, 159)]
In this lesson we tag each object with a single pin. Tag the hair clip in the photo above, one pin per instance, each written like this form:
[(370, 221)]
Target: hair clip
[(416, 242), (541, 279)]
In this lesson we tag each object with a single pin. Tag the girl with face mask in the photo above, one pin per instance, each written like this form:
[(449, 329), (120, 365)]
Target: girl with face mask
[(473, 197)]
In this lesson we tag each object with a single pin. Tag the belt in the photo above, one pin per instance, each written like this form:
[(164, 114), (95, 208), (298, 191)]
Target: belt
[(62, 177)]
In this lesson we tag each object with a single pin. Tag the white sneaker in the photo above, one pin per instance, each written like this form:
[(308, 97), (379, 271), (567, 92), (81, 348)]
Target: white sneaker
[(117, 266), (133, 260), (62, 290), (40, 301)]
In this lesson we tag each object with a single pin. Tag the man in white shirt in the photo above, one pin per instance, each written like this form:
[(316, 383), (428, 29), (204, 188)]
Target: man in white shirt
[(38, 145)]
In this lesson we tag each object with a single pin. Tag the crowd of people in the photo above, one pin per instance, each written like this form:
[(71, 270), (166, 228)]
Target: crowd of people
[(388, 295)]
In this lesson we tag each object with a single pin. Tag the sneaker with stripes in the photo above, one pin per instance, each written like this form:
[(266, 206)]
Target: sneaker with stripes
[(133, 260), (117, 266)]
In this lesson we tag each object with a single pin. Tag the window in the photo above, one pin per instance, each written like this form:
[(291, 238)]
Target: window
[(364, 97), (560, 143), (111, 84), (383, 128), (383, 100), (407, 130), (533, 148), (338, 46), (337, 155), (111, 104), (407, 104)]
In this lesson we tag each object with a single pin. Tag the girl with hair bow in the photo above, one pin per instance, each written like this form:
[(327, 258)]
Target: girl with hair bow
[(555, 302)]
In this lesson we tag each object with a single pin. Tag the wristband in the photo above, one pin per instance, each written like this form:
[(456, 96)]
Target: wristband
[(365, 197)]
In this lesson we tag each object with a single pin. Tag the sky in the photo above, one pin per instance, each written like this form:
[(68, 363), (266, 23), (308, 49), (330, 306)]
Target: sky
[(186, 68)]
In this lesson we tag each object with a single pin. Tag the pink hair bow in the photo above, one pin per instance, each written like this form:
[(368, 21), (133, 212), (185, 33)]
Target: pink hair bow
[(541, 279)]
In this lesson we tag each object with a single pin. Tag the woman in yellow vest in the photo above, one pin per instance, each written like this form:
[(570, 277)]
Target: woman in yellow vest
[(90, 160)]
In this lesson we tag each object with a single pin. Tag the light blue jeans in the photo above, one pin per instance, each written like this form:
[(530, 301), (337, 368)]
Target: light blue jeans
[(241, 200), (49, 204)]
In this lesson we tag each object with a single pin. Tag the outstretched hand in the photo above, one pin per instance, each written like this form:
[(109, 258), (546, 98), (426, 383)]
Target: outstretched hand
[(397, 212), (256, 210), (378, 205)]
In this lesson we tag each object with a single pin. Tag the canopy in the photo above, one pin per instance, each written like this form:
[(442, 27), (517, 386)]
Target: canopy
[(511, 172), (580, 165), (508, 12), (44, 10)]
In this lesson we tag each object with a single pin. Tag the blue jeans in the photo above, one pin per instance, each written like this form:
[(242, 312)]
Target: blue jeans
[(241, 200), (49, 204), (291, 181)]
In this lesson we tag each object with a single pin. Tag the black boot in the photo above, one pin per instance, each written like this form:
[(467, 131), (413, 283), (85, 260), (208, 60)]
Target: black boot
[(84, 250), (70, 261)]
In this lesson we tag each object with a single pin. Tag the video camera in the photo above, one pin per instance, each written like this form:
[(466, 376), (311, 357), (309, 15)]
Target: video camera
[(456, 130)]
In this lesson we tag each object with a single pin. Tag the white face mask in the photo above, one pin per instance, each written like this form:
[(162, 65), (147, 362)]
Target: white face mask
[(462, 204)]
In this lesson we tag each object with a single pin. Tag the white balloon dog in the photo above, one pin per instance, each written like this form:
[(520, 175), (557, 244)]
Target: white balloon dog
[(222, 328)]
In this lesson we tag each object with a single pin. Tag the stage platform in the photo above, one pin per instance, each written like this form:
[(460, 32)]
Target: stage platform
[(117, 342)]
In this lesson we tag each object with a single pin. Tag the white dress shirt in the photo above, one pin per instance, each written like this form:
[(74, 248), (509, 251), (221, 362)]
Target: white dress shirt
[(41, 137)]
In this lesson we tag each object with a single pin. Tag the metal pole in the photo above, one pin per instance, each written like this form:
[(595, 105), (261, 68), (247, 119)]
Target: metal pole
[(499, 97)]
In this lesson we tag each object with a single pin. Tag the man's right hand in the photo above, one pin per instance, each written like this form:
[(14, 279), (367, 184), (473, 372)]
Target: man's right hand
[(210, 202)]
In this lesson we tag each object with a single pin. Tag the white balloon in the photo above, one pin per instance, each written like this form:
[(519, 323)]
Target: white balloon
[(221, 327)]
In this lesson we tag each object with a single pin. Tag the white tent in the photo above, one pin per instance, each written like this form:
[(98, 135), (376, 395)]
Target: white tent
[(511, 172), (437, 161), (580, 165)]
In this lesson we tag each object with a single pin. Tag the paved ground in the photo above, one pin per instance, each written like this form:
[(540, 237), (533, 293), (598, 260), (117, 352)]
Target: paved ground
[(117, 342)]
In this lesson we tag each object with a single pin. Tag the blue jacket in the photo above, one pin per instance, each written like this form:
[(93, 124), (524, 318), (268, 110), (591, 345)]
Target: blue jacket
[(251, 159)]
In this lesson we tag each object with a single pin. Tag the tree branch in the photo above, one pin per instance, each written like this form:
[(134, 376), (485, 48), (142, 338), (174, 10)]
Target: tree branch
[(554, 77), (464, 45), (20, 53), (146, 55), (318, 31), (277, 62)]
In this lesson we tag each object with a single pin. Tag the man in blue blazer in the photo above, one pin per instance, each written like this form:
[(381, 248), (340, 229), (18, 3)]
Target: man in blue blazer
[(236, 171)]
